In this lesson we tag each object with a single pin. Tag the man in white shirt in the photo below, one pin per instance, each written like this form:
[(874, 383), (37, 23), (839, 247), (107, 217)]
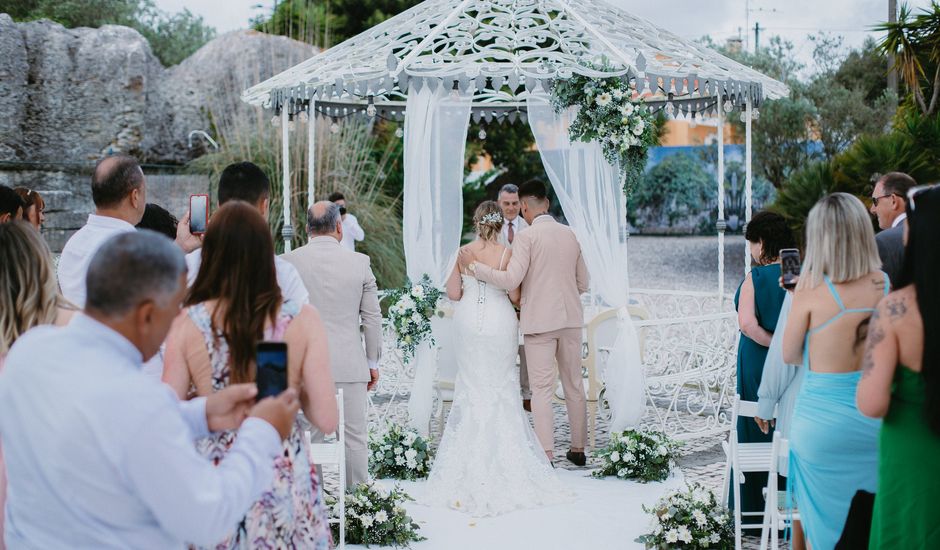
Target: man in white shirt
[(119, 191), (352, 231), (513, 224), (342, 287), (889, 205), (97, 455), (245, 181)]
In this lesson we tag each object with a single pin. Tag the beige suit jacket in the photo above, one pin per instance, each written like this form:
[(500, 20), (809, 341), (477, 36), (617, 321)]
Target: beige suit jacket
[(547, 263), (342, 287)]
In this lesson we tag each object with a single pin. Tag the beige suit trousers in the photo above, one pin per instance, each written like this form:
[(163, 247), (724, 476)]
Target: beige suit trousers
[(355, 410), (542, 351)]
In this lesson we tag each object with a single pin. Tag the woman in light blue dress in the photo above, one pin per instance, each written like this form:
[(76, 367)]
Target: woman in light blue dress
[(833, 447)]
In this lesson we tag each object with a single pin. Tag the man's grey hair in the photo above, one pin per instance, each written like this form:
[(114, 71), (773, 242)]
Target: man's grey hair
[(132, 268), (325, 224), (509, 188)]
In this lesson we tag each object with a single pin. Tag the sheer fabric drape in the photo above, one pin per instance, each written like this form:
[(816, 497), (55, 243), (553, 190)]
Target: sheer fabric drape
[(590, 193), (435, 140)]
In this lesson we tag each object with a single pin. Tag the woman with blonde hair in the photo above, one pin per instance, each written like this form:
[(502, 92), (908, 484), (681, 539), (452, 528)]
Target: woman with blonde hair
[(29, 296), (833, 447)]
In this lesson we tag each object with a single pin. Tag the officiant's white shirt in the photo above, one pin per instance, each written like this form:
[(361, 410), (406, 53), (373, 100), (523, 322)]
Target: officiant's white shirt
[(99, 456), (518, 225), (292, 286), (80, 249)]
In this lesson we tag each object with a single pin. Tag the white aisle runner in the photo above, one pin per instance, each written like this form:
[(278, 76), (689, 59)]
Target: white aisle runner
[(606, 515)]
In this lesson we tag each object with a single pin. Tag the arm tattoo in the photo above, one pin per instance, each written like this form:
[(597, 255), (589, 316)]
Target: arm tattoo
[(876, 335)]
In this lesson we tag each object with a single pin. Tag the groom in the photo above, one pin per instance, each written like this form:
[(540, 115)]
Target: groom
[(547, 263)]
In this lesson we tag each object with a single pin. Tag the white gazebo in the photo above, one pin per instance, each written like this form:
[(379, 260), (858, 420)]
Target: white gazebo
[(443, 62)]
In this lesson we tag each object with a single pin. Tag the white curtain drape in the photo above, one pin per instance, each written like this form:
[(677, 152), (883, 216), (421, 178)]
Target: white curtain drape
[(589, 190), (435, 141)]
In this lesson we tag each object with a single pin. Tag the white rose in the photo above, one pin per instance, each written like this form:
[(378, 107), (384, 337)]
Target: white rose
[(367, 521), (417, 291), (700, 518), (672, 536), (684, 534), (622, 472), (411, 454), (399, 460), (638, 129), (626, 109), (603, 100), (628, 457), (661, 451), (614, 456), (715, 538), (381, 516), (399, 450)]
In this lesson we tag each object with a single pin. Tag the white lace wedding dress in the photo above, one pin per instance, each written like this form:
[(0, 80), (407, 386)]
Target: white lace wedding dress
[(489, 461)]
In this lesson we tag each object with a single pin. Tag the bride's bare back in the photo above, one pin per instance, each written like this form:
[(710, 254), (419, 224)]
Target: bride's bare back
[(489, 253)]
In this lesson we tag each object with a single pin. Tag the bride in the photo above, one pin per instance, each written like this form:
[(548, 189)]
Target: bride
[(489, 461)]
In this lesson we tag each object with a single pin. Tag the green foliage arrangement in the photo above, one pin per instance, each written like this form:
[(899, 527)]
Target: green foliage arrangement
[(690, 519), (410, 314), (399, 453), (642, 455), (374, 515)]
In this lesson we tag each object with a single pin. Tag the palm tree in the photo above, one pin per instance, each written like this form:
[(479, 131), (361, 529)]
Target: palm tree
[(915, 41)]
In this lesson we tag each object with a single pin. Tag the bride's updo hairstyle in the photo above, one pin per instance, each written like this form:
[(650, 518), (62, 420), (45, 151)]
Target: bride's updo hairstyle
[(488, 220)]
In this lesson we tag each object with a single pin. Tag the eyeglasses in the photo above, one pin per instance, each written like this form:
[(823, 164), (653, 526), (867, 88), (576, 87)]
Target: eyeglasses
[(874, 200), (919, 190)]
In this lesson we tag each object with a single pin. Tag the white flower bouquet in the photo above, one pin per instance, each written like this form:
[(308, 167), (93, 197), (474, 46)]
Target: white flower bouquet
[(644, 455), (608, 113), (691, 519), (399, 453), (410, 314), (374, 515)]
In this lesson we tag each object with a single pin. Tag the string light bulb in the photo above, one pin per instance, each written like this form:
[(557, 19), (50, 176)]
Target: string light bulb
[(755, 114), (670, 109), (334, 128), (482, 134), (371, 110), (729, 106), (399, 132)]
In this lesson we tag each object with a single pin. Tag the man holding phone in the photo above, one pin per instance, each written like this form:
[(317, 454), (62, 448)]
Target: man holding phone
[(352, 231), (343, 289)]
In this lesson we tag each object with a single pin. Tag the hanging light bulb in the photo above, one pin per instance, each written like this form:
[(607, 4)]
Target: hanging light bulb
[(371, 110), (743, 116), (399, 132), (670, 109), (729, 106), (755, 114), (334, 128), (482, 134)]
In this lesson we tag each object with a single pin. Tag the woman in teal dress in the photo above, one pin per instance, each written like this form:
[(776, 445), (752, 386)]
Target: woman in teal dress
[(758, 301), (900, 384)]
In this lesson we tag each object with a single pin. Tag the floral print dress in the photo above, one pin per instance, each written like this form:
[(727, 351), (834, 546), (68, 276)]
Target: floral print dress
[(291, 514)]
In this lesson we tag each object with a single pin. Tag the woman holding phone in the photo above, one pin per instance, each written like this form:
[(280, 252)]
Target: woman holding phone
[(234, 304), (833, 448)]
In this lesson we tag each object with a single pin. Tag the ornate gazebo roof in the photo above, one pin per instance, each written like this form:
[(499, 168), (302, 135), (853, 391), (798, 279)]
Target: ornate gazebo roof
[(501, 50)]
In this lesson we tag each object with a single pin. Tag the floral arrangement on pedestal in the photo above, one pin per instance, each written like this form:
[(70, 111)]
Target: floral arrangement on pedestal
[(692, 519), (643, 455), (607, 113), (399, 453), (410, 314), (374, 515)]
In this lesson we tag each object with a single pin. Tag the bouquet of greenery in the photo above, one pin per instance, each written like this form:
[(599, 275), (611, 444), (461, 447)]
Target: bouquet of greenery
[(399, 453), (643, 455), (691, 519), (608, 113), (410, 314), (374, 515)]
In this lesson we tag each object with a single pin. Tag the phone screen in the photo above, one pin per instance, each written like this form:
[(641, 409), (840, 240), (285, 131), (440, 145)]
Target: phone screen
[(198, 212), (790, 266), (271, 378)]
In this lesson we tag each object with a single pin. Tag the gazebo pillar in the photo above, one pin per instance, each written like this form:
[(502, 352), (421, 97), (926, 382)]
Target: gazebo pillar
[(311, 150), (721, 224), (748, 178), (287, 232)]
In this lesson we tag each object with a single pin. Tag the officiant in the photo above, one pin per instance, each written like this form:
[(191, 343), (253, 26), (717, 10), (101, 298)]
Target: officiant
[(513, 224)]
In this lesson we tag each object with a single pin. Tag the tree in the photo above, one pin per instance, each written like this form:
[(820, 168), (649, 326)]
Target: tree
[(174, 37), (915, 41)]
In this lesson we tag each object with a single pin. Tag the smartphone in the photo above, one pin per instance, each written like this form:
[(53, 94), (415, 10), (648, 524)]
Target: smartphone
[(198, 213), (271, 377), (790, 267), (342, 210)]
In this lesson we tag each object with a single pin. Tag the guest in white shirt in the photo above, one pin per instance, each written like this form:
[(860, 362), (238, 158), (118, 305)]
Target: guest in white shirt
[(119, 191), (352, 231), (245, 181), (100, 457), (513, 224)]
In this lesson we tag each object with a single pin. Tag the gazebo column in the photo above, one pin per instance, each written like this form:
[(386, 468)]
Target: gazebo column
[(287, 232), (748, 178), (721, 224), (311, 150)]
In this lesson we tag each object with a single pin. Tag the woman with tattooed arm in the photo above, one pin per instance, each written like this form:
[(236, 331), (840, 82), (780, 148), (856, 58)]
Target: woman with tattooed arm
[(901, 383)]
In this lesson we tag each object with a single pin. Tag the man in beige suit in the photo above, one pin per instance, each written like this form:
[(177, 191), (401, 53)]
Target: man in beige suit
[(547, 263), (342, 287)]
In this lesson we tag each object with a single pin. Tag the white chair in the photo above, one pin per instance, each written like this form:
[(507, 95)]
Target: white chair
[(334, 453), (744, 458), (781, 514)]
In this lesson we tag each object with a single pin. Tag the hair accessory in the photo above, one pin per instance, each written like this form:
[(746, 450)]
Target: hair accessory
[(493, 218)]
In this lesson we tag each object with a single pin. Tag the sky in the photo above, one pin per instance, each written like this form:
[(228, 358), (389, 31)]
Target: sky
[(721, 19)]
